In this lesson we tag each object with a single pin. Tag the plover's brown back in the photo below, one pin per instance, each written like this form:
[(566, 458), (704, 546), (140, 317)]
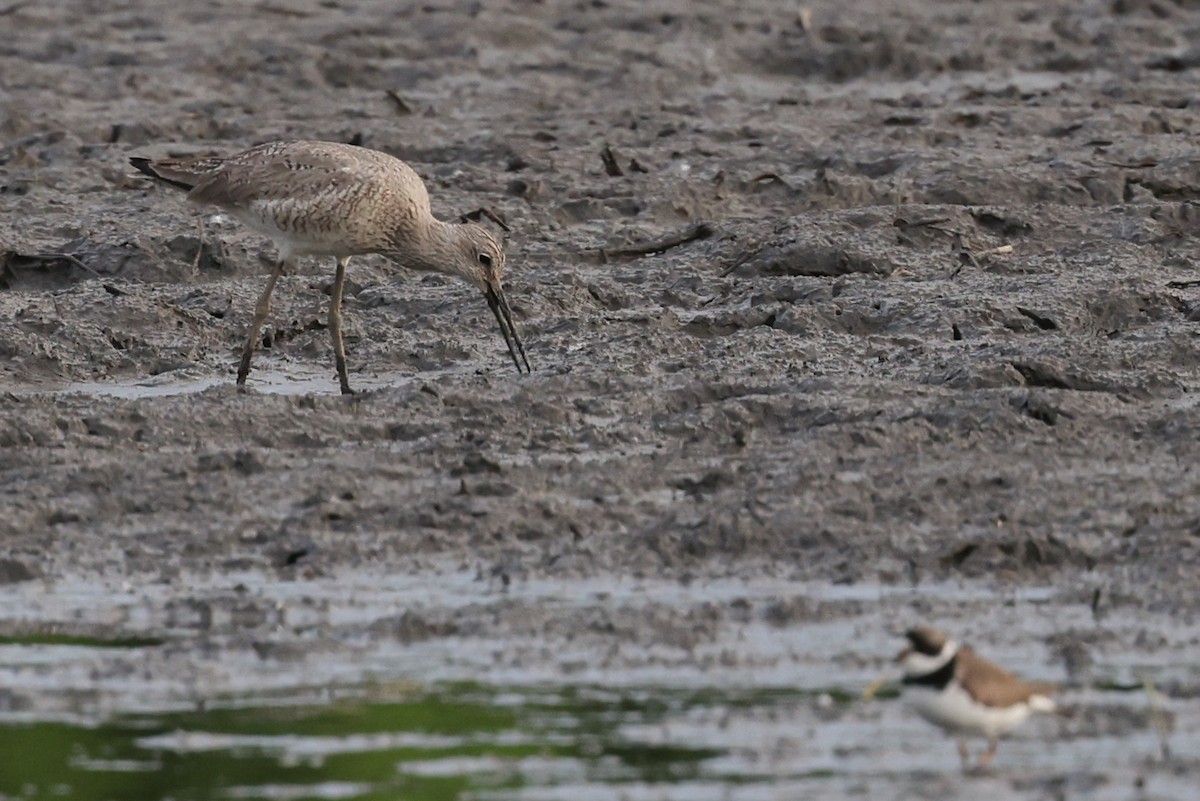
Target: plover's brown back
[(331, 199)]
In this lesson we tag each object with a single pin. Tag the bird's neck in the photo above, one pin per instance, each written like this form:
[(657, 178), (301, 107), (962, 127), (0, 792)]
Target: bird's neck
[(922, 668), (432, 253), (936, 678)]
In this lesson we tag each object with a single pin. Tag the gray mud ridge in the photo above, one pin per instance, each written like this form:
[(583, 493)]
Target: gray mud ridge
[(936, 339)]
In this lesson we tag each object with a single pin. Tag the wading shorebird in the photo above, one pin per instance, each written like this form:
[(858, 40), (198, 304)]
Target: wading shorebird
[(965, 694), (330, 199)]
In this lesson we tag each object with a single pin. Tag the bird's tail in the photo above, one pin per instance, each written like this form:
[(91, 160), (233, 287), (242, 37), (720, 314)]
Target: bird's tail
[(1042, 703)]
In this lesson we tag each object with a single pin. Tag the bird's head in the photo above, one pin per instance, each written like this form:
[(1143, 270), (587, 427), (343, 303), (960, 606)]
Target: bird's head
[(478, 256), (928, 650)]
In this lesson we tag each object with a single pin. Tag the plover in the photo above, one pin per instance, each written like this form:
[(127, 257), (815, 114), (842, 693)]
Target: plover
[(955, 688), (330, 199)]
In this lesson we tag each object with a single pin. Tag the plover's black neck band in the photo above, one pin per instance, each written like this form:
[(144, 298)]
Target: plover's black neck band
[(938, 679)]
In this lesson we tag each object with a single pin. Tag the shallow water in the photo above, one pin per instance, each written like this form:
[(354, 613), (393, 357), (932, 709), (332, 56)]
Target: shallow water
[(420, 744), (460, 741), (265, 689)]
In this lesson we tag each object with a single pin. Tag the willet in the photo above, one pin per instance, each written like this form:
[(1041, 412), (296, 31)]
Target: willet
[(330, 199)]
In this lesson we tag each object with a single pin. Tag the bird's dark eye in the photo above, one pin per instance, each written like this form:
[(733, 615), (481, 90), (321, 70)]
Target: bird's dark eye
[(485, 260)]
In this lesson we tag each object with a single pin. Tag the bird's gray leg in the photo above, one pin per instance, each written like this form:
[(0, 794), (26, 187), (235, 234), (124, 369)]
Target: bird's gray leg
[(335, 324), (261, 310)]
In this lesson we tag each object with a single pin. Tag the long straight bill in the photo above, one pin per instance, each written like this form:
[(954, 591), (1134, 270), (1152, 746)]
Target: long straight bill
[(499, 306)]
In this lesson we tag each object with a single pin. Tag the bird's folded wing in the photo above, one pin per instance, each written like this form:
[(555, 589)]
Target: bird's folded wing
[(991, 684)]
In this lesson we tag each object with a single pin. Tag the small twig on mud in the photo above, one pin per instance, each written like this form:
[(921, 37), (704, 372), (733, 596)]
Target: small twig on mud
[(1144, 164), (1159, 719), (905, 225), (1172, 234), (199, 245), (401, 105), (968, 255), (964, 254), (1183, 284), (698, 231), (874, 687), (745, 257), (191, 316), (481, 213), (996, 251), (769, 178), (283, 11), (611, 167), (805, 20), (930, 222), (62, 257)]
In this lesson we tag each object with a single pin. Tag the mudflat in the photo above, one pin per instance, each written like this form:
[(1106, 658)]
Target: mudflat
[(880, 314)]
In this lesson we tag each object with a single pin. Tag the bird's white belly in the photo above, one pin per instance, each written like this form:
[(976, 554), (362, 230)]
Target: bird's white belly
[(953, 709)]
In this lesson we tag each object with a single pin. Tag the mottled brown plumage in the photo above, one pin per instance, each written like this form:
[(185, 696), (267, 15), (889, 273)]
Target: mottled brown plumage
[(330, 199)]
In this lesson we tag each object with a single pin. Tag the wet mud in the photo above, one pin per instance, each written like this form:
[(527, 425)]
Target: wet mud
[(839, 322)]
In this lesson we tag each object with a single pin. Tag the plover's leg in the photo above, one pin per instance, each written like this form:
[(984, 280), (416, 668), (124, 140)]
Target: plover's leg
[(964, 754), (261, 310), (335, 324), (993, 744)]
